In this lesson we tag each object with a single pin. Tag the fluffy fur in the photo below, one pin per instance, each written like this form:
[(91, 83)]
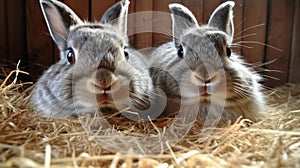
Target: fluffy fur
[(101, 58), (197, 71)]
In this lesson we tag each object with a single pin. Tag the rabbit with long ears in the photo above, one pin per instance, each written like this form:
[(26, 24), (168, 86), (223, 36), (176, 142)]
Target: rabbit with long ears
[(96, 70), (198, 69)]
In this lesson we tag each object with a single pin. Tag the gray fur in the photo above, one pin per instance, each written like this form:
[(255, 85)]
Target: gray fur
[(70, 89), (234, 85)]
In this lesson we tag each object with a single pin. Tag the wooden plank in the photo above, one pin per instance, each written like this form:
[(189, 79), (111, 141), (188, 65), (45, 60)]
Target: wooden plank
[(238, 11), (209, 6), (99, 7), (280, 35), (162, 25), (143, 24), (131, 23), (254, 28), (16, 30), (294, 75), (196, 6), (81, 8), (3, 47), (132, 6), (39, 42)]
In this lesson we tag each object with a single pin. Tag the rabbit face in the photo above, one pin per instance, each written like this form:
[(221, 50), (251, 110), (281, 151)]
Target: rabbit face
[(101, 70), (207, 68), (211, 68), (202, 51), (111, 78), (96, 68), (198, 72)]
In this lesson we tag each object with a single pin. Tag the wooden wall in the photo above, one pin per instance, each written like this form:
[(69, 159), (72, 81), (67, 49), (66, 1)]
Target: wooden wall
[(267, 30)]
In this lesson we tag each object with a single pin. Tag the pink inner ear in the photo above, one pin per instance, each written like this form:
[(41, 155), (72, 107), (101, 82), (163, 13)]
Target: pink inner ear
[(58, 29)]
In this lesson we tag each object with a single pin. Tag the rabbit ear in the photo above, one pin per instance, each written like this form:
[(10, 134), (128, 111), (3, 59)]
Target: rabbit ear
[(117, 16), (59, 18), (182, 19), (222, 18)]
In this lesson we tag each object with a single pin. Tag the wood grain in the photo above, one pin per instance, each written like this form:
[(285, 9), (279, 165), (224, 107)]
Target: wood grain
[(294, 74), (16, 30), (208, 7), (279, 35), (39, 42), (238, 12), (3, 26), (81, 8), (196, 7), (162, 25), (99, 8), (131, 23), (254, 30), (143, 24)]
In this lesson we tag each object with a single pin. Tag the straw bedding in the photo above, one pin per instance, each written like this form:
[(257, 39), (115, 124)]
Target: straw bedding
[(27, 140)]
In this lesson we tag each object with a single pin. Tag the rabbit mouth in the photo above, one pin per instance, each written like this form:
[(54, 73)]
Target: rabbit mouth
[(206, 90), (105, 103), (114, 100), (107, 98), (104, 98)]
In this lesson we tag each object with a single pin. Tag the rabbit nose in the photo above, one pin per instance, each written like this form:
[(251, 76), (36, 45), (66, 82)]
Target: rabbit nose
[(105, 79), (205, 73), (207, 79)]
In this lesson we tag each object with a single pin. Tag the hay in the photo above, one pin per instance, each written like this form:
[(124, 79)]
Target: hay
[(27, 140)]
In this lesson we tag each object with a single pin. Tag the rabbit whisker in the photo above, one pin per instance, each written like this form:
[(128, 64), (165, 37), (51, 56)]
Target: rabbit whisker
[(267, 88), (252, 27), (270, 77), (236, 79), (243, 87), (269, 70), (248, 35), (240, 24), (242, 92), (260, 64), (260, 43), (235, 45)]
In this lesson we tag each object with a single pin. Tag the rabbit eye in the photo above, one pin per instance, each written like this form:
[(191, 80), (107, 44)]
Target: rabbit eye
[(180, 51), (71, 56), (228, 51), (126, 53)]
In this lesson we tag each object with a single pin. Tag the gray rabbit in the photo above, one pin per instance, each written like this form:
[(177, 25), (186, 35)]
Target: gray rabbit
[(198, 71), (97, 69)]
